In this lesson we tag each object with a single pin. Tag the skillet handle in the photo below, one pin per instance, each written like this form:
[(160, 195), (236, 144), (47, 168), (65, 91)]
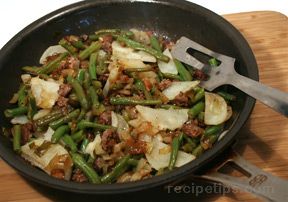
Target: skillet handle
[(258, 182)]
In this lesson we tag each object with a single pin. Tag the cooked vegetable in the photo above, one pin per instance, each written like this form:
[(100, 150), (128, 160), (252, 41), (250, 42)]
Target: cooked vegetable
[(111, 107)]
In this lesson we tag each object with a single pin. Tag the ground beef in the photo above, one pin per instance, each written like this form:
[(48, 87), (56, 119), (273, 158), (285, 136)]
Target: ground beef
[(58, 173), (64, 89), (84, 64), (51, 58), (84, 37), (192, 129), (26, 132), (136, 146), (106, 43), (108, 139), (165, 83), (200, 75), (78, 176), (62, 101), (90, 136), (105, 118), (181, 100)]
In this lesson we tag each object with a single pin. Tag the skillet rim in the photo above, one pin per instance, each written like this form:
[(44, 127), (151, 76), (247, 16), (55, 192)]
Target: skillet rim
[(40, 177)]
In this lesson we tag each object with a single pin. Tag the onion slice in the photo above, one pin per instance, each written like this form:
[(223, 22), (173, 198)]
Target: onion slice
[(167, 67), (177, 87), (51, 50)]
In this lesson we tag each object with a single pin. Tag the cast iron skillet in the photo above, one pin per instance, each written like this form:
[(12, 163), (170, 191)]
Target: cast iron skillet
[(171, 18)]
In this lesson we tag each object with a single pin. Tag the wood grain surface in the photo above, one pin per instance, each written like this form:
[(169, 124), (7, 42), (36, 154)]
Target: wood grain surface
[(264, 139)]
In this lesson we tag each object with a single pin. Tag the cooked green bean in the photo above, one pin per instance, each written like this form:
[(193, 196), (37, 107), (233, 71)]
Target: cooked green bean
[(133, 101), (78, 44), (78, 136), (145, 69), (15, 111), (92, 66), (59, 132), (79, 93), (176, 142), (89, 172), (133, 162), (208, 141), (22, 96), (97, 84), (54, 64), (32, 70), (183, 72), (196, 109), (212, 130), (65, 44), (94, 99), (140, 86), (171, 76), (72, 115), (198, 151), (138, 46), (17, 138), (227, 96), (32, 108), (87, 124), (201, 116), (167, 106), (199, 95), (119, 169), (52, 116), (155, 43), (89, 50), (213, 62), (81, 75), (69, 142), (83, 145)]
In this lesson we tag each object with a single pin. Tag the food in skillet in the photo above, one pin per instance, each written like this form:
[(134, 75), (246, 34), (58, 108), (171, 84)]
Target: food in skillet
[(113, 107)]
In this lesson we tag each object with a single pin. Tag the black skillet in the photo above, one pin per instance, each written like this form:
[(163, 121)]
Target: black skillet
[(171, 18)]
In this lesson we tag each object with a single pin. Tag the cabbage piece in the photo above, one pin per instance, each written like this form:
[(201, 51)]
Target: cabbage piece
[(122, 126), (26, 78), (20, 120), (48, 134), (215, 109), (131, 63), (41, 113), (177, 87), (95, 147), (51, 50), (47, 156), (167, 67), (113, 75), (163, 118), (159, 157), (125, 52), (141, 36), (45, 92)]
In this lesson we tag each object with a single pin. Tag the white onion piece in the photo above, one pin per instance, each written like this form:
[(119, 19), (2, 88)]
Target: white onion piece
[(48, 134), (159, 157), (51, 50), (114, 72), (48, 160), (26, 78), (45, 92), (177, 87), (41, 113), (167, 67), (129, 53), (122, 126), (215, 109), (163, 118), (19, 120), (95, 147), (131, 63)]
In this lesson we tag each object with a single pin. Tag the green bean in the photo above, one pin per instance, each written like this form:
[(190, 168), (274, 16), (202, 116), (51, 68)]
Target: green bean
[(119, 169), (100, 109), (84, 144), (94, 99), (65, 44), (200, 116), (92, 66), (82, 114), (140, 86), (133, 162), (17, 138), (97, 84), (145, 69), (78, 136), (212, 130), (198, 151), (32, 108), (199, 95), (81, 75), (132, 101), (78, 44), (213, 62), (107, 31), (113, 32), (208, 141), (193, 142), (89, 172), (72, 115), (52, 116), (138, 46), (15, 111), (51, 66), (69, 142), (59, 132), (32, 70), (87, 82), (89, 50), (79, 93), (176, 142), (196, 109), (167, 106), (155, 43), (171, 76), (188, 148), (87, 124), (101, 67), (22, 96), (94, 37), (183, 72), (227, 96)]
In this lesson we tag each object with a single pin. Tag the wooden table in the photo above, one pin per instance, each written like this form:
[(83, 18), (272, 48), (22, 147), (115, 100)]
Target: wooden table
[(263, 140)]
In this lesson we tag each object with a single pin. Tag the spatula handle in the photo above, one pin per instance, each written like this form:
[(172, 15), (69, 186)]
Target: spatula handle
[(269, 96)]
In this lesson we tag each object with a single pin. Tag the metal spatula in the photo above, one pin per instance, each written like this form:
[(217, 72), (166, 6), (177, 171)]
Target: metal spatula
[(226, 74)]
